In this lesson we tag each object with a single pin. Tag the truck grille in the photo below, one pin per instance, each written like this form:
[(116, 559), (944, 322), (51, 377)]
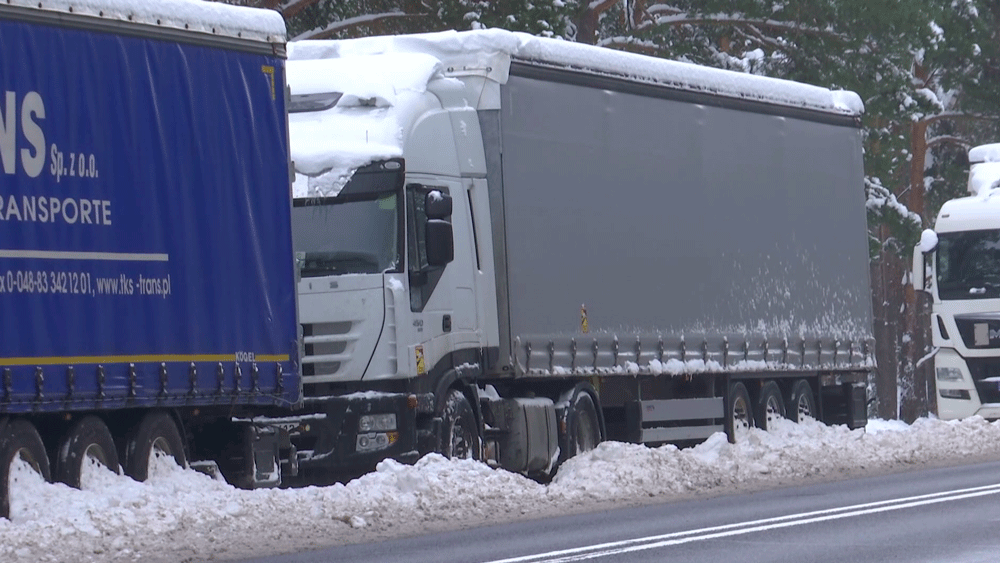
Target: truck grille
[(981, 369), (326, 346), (979, 333)]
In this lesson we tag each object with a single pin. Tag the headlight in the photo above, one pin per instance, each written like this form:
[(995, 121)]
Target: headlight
[(949, 374), (377, 422)]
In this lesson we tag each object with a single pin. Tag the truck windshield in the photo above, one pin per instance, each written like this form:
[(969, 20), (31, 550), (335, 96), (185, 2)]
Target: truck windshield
[(968, 265), (358, 231)]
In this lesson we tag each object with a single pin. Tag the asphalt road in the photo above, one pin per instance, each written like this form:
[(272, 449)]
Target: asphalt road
[(940, 515)]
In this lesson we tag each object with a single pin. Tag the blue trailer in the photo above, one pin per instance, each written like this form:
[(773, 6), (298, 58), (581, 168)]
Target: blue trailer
[(147, 280)]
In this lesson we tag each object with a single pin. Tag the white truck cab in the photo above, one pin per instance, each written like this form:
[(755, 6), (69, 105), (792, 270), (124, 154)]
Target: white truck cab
[(958, 264)]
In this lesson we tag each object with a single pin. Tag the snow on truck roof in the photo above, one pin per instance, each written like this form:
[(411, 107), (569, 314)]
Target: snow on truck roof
[(972, 213), (193, 15), (984, 168), (470, 47), (985, 153)]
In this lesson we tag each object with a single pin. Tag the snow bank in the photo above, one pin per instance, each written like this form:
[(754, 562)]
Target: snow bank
[(182, 515)]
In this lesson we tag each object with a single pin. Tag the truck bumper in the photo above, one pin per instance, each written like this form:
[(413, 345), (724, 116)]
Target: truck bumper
[(958, 394), (334, 444)]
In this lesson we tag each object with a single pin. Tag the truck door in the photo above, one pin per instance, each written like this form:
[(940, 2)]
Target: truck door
[(442, 298)]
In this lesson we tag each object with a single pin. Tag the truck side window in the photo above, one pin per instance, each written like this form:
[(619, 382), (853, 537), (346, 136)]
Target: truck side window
[(416, 221)]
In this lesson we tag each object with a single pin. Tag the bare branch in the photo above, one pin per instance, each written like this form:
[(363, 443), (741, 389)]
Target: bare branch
[(947, 139), (342, 25), (956, 116), (631, 45), (291, 7), (685, 19)]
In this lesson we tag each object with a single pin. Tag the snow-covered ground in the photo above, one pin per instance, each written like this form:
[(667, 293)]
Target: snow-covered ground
[(186, 516)]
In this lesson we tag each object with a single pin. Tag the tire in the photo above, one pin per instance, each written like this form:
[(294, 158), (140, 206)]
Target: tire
[(584, 427), (88, 439), (770, 406), (155, 436), (459, 431), (801, 405), (740, 418), (19, 439)]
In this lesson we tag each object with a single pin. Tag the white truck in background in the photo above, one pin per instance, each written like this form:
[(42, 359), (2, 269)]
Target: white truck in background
[(513, 248), (958, 265)]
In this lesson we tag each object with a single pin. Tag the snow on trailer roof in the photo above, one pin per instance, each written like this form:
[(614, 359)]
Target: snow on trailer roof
[(203, 16), (472, 49)]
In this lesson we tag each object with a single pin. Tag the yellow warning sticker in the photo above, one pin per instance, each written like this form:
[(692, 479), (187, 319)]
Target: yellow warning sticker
[(421, 365), (584, 324)]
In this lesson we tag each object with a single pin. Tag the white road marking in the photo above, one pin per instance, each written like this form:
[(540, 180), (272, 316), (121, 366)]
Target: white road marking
[(715, 532)]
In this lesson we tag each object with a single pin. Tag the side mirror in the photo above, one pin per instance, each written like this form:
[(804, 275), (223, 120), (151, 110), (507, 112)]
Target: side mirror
[(928, 242), (437, 205), (917, 274), (440, 241)]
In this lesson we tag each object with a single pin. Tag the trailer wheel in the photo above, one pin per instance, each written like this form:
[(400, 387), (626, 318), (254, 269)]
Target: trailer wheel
[(740, 418), (801, 405), (459, 432), (19, 440), (87, 441), (155, 437), (770, 406), (584, 426)]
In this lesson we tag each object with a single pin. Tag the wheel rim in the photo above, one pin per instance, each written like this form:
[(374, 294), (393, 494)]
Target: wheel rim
[(741, 416), (96, 453), (24, 454), (772, 410), (159, 452), (17, 478), (586, 429), (461, 441), (803, 409), (585, 440)]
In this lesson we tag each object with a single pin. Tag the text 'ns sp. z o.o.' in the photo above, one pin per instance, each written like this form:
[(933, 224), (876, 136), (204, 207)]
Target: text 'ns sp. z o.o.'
[(23, 151)]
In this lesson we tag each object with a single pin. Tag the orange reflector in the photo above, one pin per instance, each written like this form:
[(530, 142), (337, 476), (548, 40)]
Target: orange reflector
[(393, 437)]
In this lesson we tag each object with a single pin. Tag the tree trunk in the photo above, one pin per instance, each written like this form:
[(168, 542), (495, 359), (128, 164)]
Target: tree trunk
[(886, 305)]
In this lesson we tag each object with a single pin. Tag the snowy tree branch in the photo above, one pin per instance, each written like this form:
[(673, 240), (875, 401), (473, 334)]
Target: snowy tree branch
[(350, 23)]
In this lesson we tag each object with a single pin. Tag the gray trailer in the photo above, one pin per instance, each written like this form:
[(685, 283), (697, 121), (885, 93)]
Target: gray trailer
[(591, 245)]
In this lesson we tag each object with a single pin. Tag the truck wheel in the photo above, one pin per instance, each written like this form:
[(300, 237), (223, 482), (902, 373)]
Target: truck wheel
[(801, 405), (584, 426), (155, 437), (19, 440), (459, 434), (87, 441), (740, 418), (770, 406)]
